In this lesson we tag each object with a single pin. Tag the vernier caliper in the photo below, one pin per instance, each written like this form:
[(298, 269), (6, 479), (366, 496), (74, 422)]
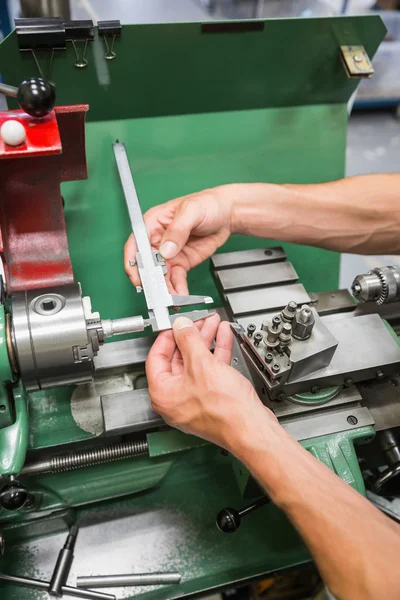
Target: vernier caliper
[(150, 263)]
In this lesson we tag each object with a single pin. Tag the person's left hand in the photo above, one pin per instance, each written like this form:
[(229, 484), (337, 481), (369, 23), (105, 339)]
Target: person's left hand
[(197, 391)]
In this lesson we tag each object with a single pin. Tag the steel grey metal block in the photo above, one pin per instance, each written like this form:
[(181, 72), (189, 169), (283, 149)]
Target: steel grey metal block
[(266, 299), (308, 356), (382, 398), (245, 258), (287, 407), (336, 301), (255, 276), (366, 350), (127, 412), (329, 421)]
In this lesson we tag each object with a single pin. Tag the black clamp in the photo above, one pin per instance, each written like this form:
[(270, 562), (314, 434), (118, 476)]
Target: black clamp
[(79, 31), (40, 34), (109, 31)]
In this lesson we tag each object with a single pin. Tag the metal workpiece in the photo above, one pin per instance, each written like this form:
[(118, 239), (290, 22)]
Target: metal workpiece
[(303, 323), (381, 285), (63, 564), (151, 268), (69, 461), (38, 584), (137, 579), (50, 333), (113, 327)]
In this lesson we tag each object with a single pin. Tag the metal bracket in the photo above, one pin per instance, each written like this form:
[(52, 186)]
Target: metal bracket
[(356, 62)]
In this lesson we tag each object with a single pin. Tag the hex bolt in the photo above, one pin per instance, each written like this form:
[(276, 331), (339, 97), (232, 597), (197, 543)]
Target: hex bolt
[(251, 329), (352, 420), (269, 357), (315, 389), (276, 367), (303, 323), (257, 338), (305, 314), (379, 374), (348, 382), (281, 397)]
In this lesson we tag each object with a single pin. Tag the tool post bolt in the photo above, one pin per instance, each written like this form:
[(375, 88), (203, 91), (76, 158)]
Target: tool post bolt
[(289, 312), (251, 329), (257, 338)]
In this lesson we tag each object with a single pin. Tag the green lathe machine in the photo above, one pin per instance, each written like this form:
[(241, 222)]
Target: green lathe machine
[(174, 108)]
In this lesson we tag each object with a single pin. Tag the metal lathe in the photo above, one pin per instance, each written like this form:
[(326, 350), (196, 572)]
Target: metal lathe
[(103, 122)]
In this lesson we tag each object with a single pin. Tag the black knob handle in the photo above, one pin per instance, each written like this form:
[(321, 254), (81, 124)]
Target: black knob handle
[(229, 519), (388, 482), (36, 97), (13, 495)]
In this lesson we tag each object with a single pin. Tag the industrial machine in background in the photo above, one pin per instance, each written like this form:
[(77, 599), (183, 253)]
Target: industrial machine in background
[(79, 441)]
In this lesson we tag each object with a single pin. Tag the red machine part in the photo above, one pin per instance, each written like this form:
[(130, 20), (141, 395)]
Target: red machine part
[(33, 243)]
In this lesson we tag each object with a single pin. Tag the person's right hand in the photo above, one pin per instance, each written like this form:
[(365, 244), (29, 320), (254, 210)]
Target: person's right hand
[(186, 231)]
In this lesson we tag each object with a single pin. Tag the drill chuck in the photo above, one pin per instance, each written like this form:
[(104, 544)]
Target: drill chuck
[(381, 285)]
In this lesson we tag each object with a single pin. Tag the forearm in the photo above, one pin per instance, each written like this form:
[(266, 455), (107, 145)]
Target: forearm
[(353, 544), (358, 214)]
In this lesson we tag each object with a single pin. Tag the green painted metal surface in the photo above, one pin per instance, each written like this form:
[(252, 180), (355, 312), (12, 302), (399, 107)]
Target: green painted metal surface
[(6, 375), (14, 438), (319, 396), (199, 484), (171, 69), (337, 452)]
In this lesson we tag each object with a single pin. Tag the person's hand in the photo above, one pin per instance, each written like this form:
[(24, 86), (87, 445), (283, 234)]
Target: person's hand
[(186, 231), (199, 392)]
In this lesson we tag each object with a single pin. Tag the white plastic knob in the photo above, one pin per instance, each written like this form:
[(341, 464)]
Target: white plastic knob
[(13, 133)]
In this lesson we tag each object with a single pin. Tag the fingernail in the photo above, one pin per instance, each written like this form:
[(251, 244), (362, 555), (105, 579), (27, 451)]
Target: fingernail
[(168, 249), (182, 322)]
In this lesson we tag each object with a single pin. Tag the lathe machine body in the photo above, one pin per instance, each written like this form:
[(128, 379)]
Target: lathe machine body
[(195, 105)]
